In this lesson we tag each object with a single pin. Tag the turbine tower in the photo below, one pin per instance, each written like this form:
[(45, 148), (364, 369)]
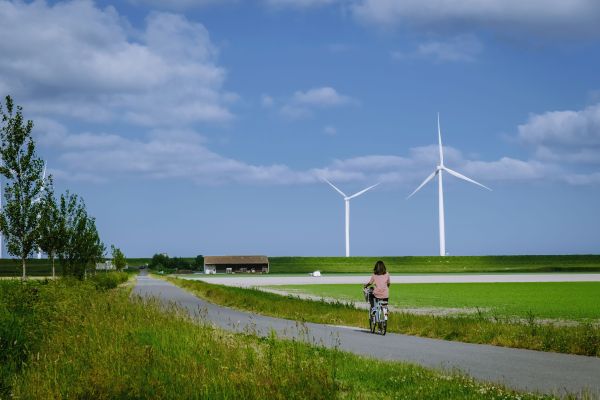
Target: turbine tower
[(347, 203), (438, 171)]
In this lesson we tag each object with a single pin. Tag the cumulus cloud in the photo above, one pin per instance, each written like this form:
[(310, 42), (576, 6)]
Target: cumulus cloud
[(77, 60), (302, 103), (464, 48), (557, 17), (564, 136), (162, 154)]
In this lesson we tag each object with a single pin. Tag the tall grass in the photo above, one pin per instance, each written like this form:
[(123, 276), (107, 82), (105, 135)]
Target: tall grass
[(101, 344), (581, 339)]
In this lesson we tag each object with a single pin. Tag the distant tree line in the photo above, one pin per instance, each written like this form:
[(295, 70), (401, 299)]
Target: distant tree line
[(163, 261), (32, 217)]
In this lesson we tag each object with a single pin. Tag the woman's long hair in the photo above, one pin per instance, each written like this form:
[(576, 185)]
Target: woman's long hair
[(379, 268)]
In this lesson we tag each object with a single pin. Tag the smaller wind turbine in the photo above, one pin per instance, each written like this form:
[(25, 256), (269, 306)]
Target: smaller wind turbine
[(347, 202), (438, 171)]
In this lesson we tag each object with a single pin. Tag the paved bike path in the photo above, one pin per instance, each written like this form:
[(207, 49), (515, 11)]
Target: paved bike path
[(516, 368)]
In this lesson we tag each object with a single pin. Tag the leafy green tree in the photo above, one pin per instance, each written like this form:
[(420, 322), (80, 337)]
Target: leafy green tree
[(23, 171), (50, 238), (82, 247), (118, 258), (198, 262), (159, 261)]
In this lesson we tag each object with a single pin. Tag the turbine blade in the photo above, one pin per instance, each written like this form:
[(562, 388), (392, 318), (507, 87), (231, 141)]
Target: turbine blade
[(362, 191), (430, 177), (335, 187), (440, 140), (456, 174)]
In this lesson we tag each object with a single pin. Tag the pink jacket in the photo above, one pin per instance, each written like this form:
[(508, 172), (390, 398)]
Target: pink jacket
[(381, 285)]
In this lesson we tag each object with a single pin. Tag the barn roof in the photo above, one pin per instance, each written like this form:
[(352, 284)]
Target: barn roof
[(215, 260)]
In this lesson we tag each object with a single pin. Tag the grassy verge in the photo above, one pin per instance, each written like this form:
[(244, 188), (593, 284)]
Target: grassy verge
[(582, 339), (557, 300), (67, 339)]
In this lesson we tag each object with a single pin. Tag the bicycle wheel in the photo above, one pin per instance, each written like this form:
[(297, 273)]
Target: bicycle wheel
[(372, 324), (383, 328)]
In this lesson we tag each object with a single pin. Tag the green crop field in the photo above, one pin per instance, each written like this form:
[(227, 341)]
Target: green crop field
[(564, 300), (563, 263)]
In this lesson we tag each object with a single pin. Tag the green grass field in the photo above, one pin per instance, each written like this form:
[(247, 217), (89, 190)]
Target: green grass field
[(564, 300), (398, 265), (563, 263), (582, 338), (68, 339)]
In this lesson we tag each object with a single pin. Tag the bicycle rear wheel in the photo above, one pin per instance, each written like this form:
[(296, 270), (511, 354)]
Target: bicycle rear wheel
[(372, 324)]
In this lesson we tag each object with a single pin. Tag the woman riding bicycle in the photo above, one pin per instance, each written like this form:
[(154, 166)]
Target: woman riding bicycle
[(381, 280)]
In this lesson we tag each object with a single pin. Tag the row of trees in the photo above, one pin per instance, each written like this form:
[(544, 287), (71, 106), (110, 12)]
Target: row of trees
[(161, 261), (32, 216)]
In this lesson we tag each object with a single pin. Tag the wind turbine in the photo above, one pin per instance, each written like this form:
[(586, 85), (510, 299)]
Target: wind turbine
[(347, 202), (438, 171)]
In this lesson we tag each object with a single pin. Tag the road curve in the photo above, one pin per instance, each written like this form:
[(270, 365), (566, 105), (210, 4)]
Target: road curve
[(267, 280), (525, 370)]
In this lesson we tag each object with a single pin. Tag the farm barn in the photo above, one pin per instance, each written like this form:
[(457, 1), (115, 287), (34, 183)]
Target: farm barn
[(236, 264)]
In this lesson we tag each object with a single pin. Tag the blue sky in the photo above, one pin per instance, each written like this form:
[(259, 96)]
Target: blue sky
[(204, 127)]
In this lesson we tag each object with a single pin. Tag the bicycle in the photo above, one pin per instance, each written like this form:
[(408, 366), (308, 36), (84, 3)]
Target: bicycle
[(378, 314)]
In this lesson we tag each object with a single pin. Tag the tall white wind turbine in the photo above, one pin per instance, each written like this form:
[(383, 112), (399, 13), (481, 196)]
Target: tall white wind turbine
[(347, 203), (438, 171)]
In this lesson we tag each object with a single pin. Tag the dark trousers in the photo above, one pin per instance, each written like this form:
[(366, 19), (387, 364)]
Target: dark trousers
[(372, 299)]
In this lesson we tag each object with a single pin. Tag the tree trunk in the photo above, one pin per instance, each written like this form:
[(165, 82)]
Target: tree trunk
[(24, 269), (53, 273)]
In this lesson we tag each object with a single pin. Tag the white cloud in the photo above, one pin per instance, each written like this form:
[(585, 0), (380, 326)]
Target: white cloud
[(564, 136), (558, 17), (180, 4), (321, 97), (299, 3), (179, 154), (183, 154), (464, 48), (77, 60), (302, 104)]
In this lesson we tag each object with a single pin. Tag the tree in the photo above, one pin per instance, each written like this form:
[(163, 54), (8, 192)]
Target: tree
[(50, 238), (198, 262), (81, 248), (23, 171), (118, 258)]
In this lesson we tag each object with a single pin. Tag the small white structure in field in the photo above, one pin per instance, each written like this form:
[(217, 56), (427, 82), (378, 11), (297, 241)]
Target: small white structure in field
[(105, 266), (316, 273)]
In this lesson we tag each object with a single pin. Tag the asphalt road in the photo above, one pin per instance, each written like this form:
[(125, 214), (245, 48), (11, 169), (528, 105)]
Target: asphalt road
[(266, 280), (519, 369)]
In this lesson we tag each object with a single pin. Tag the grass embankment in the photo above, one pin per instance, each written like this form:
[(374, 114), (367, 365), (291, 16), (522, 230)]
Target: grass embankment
[(581, 339), (465, 264), (71, 339), (408, 265), (561, 300)]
